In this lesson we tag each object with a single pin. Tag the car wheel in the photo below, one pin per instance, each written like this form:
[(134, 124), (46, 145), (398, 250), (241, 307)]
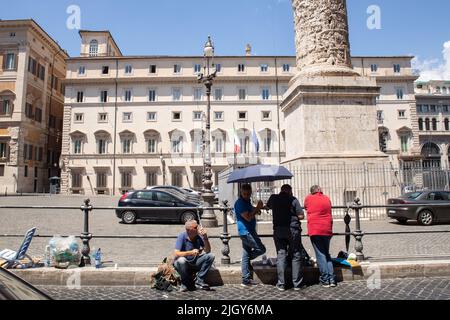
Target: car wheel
[(425, 218), (129, 217), (402, 220), (188, 216)]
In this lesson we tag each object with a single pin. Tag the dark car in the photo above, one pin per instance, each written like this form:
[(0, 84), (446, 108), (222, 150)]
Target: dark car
[(14, 288), (429, 207), (156, 198), (180, 191)]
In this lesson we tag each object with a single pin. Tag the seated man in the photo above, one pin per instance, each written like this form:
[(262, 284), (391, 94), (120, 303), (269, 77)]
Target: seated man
[(193, 255)]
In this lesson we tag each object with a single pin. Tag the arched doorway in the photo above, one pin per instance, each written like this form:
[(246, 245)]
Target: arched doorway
[(431, 154)]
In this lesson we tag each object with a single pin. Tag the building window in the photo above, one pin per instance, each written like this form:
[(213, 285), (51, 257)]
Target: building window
[(127, 180), (102, 117), (265, 94), (176, 116), (126, 146), (404, 141), (5, 108), (447, 124), (177, 145), (128, 69), (266, 115), (286, 67), (102, 180), (264, 68), (445, 108), (79, 117), (10, 61), (152, 95), (218, 116), (81, 70), (177, 179), (218, 67), (399, 93), (245, 143), (102, 146), (242, 115), (267, 143), (427, 124), (198, 115), (152, 179), (77, 144), (152, 68), (176, 94), (151, 116), (434, 124), (197, 68), (38, 115), (402, 114), (177, 68), (421, 124), (93, 48), (241, 67), (77, 180), (25, 171), (29, 111), (397, 68), (3, 150), (433, 109), (151, 146), (80, 96), (219, 145), (104, 96), (2, 170), (242, 94), (128, 96), (198, 145), (374, 68), (218, 94), (105, 70), (198, 94), (127, 117)]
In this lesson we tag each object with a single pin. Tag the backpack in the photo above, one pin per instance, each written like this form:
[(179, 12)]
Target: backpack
[(166, 278)]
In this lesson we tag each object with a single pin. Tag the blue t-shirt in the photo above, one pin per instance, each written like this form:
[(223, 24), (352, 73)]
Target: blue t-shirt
[(184, 244), (244, 226)]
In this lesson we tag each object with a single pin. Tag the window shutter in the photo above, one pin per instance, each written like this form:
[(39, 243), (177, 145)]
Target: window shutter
[(16, 61)]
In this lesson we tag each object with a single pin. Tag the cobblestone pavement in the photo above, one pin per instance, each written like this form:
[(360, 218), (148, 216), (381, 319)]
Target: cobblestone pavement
[(393, 289), (139, 252)]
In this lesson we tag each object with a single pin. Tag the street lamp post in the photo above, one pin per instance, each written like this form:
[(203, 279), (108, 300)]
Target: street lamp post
[(209, 219)]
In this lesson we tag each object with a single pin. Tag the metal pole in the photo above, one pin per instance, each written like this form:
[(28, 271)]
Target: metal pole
[(225, 236), (358, 234), (85, 235)]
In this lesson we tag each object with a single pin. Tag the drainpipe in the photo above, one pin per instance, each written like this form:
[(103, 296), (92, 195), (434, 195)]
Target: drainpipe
[(115, 127)]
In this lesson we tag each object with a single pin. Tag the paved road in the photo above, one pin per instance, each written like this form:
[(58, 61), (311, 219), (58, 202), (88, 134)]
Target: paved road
[(394, 289), (151, 251)]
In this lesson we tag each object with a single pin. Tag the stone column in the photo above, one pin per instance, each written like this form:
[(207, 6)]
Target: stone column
[(322, 37)]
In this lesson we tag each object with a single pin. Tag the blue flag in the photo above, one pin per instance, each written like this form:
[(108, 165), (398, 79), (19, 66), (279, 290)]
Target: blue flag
[(255, 141)]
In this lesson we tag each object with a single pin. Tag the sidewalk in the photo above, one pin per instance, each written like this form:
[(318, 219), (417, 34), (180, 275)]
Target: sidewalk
[(373, 271)]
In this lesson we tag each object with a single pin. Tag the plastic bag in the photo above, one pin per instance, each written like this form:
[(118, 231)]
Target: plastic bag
[(65, 252)]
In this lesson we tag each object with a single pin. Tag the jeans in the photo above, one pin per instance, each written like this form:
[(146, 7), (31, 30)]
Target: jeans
[(288, 242), (321, 245), (200, 265), (252, 249)]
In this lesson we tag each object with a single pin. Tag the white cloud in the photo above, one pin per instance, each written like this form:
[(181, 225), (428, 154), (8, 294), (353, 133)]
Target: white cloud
[(434, 69)]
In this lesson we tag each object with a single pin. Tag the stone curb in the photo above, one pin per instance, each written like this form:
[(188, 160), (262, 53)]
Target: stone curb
[(230, 275)]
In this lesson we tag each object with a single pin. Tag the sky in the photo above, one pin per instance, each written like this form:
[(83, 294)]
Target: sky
[(180, 27)]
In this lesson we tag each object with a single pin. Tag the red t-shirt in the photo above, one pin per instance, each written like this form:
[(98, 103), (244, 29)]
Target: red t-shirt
[(320, 219)]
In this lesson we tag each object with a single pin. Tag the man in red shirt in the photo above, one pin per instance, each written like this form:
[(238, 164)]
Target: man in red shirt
[(320, 231)]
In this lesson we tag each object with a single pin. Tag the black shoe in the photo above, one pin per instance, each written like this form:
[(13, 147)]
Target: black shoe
[(202, 286)]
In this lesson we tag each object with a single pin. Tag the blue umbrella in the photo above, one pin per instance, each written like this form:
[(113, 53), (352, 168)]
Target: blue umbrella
[(259, 173)]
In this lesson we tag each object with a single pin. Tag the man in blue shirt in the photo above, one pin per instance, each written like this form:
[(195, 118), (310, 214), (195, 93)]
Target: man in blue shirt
[(246, 223), (193, 255)]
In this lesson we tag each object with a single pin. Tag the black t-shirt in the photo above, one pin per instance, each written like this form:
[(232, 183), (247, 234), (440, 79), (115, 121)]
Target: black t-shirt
[(285, 210)]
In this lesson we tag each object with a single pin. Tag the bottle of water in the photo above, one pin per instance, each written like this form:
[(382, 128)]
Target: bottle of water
[(265, 261), (98, 259)]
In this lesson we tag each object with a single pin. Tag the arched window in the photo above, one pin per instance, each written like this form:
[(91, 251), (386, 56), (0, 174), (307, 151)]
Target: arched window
[(93, 48), (434, 122), (438, 90), (431, 154), (447, 124), (444, 90), (421, 124), (427, 124)]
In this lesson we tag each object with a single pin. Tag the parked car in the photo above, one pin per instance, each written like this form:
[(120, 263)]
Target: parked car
[(193, 192), (156, 198), (180, 191), (427, 212), (14, 288)]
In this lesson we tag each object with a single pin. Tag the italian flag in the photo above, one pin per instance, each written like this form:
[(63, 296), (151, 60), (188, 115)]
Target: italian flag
[(237, 142)]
